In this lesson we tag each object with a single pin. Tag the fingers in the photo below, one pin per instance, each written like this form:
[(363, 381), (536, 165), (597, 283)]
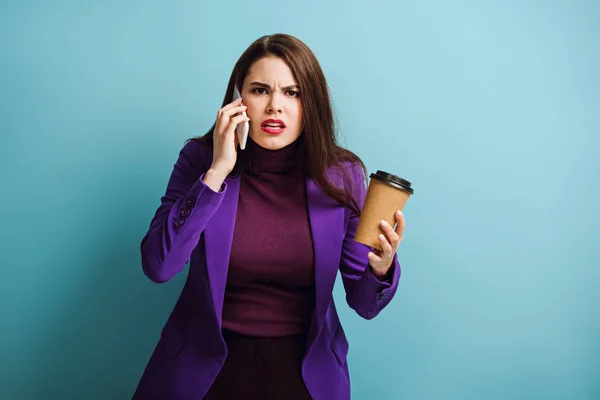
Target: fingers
[(234, 110), (390, 233), (234, 103), (386, 247), (228, 123), (401, 223), (389, 242), (225, 114), (377, 256), (233, 122), (374, 259)]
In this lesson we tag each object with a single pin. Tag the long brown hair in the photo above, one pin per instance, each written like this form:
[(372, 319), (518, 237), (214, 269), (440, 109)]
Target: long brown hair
[(318, 145)]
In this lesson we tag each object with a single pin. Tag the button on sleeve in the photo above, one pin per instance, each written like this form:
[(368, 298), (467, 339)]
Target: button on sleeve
[(191, 202)]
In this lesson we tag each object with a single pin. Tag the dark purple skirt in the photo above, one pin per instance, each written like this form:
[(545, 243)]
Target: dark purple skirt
[(261, 368)]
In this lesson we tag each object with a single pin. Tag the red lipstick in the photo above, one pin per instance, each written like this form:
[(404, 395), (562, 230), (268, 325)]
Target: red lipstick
[(273, 126)]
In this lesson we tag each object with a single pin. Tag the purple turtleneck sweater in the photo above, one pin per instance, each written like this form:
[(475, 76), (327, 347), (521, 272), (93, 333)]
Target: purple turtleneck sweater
[(270, 284)]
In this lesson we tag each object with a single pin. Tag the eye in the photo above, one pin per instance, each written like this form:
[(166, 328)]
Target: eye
[(259, 90), (293, 93)]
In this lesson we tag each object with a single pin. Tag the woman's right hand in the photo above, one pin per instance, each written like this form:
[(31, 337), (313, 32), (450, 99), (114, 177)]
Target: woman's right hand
[(224, 138)]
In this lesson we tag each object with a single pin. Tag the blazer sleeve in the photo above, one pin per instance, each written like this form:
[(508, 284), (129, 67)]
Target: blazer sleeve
[(186, 207), (365, 293)]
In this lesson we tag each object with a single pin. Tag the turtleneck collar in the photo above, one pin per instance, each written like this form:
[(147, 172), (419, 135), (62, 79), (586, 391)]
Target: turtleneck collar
[(280, 161)]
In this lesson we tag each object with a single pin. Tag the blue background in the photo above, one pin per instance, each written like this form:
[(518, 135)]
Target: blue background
[(491, 109)]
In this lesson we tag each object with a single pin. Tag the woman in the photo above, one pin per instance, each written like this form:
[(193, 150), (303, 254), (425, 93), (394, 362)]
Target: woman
[(265, 230)]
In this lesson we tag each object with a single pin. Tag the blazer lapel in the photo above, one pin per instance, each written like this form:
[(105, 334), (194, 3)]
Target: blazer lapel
[(327, 224), (218, 236)]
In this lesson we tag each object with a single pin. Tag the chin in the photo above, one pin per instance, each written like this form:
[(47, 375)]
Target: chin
[(272, 142)]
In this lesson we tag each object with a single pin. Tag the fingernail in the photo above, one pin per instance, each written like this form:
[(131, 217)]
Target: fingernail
[(384, 223), (399, 213), (381, 237)]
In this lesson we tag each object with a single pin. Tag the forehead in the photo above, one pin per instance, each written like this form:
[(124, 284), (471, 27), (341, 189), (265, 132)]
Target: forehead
[(271, 70)]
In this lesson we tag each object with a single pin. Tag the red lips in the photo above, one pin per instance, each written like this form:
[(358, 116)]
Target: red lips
[(273, 126), (273, 122)]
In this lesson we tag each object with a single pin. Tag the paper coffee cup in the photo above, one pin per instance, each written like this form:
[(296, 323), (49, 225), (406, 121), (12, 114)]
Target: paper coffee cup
[(386, 194)]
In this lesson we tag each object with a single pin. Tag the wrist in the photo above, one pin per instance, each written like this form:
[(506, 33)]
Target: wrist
[(217, 173), (214, 179)]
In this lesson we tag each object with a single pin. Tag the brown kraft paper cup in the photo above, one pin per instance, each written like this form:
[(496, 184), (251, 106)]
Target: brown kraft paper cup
[(386, 194)]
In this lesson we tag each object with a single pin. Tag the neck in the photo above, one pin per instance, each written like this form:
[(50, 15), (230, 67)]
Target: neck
[(280, 161)]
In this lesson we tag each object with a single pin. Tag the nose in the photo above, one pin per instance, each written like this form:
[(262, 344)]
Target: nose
[(274, 105)]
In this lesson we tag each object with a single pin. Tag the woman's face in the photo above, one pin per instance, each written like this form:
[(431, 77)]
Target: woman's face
[(273, 99)]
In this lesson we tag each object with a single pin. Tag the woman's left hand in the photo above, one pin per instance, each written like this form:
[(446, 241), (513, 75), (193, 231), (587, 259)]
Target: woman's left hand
[(381, 260)]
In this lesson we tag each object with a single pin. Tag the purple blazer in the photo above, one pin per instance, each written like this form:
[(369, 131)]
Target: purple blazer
[(194, 223)]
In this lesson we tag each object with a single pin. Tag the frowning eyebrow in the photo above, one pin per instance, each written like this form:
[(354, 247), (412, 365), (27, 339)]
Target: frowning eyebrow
[(264, 85)]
